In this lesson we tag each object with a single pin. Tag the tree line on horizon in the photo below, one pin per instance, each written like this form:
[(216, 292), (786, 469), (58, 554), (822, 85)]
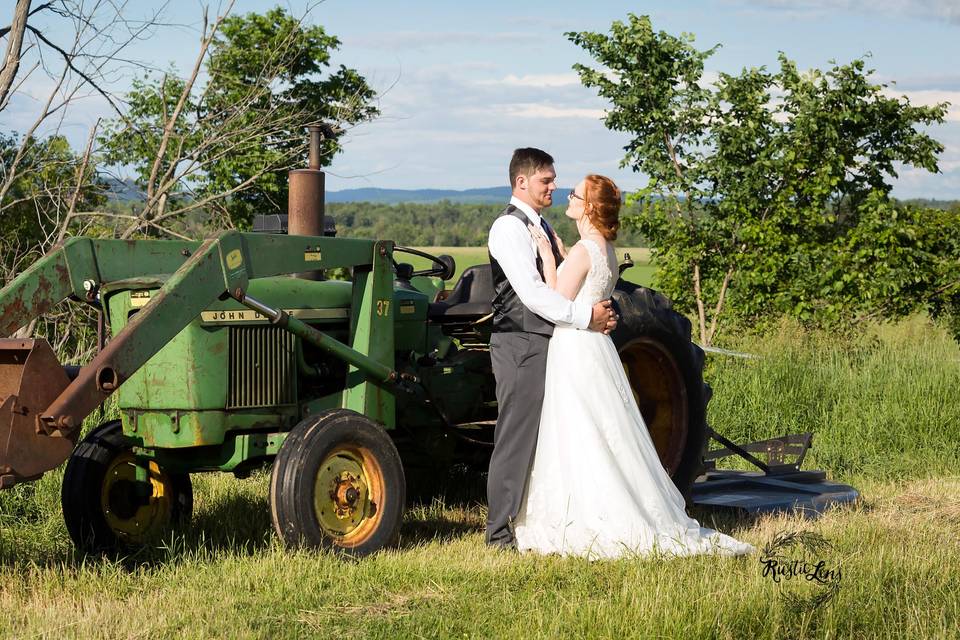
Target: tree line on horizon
[(445, 223)]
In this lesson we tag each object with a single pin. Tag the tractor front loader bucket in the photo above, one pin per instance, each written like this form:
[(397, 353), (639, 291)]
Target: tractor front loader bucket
[(31, 378)]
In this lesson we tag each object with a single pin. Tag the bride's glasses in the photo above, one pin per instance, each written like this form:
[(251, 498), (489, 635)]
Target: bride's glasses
[(572, 195)]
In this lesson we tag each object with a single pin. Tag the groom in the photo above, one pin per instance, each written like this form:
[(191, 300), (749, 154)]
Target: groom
[(525, 310)]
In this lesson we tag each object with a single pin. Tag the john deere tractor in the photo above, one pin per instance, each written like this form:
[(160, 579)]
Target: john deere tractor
[(235, 352)]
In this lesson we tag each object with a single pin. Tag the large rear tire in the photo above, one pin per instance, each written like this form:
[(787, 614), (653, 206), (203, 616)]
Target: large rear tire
[(338, 483), (665, 369), (105, 508)]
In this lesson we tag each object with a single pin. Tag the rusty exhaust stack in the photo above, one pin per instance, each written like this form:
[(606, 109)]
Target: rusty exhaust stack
[(305, 202)]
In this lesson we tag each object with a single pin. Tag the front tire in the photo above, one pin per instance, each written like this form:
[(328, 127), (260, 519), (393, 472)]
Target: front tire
[(665, 369), (105, 509), (338, 483)]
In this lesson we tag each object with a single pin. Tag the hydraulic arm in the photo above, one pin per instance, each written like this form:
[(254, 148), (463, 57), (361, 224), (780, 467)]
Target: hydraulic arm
[(42, 410)]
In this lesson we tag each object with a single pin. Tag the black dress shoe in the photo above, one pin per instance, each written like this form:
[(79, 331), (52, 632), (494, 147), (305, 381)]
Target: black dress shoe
[(503, 545)]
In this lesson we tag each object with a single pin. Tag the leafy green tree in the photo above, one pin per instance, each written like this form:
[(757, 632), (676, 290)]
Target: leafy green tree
[(228, 143), (44, 185), (37, 202), (295, 57), (762, 182)]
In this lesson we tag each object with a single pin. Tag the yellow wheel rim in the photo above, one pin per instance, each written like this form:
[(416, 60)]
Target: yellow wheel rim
[(129, 515), (348, 493)]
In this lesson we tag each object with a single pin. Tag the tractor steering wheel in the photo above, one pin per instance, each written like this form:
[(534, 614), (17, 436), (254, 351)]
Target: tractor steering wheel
[(443, 267)]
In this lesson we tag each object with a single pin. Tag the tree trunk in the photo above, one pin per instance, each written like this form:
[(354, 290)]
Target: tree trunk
[(11, 61)]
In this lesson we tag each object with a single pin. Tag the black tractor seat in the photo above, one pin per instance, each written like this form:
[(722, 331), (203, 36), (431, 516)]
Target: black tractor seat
[(470, 299)]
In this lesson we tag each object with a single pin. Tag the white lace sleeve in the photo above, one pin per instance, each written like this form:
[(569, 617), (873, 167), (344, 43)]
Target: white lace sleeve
[(599, 281)]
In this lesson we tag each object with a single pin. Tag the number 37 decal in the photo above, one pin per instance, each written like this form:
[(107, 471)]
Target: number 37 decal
[(383, 307)]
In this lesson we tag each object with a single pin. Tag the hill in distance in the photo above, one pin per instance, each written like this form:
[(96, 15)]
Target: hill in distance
[(397, 196), (126, 190)]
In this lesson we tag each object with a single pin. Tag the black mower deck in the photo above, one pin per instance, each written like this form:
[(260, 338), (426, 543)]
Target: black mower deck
[(754, 492), (778, 486)]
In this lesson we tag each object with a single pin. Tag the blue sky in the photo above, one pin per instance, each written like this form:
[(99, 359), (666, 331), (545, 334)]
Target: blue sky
[(462, 84)]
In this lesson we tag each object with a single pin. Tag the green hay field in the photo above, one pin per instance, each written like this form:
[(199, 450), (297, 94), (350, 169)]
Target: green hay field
[(640, 273)]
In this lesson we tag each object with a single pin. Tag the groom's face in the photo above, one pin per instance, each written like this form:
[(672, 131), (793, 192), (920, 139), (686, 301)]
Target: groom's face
[(539, 187)]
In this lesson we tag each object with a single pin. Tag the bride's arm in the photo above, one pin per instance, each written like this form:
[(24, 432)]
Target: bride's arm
[(577, 265), (546, 256), (567, 283)]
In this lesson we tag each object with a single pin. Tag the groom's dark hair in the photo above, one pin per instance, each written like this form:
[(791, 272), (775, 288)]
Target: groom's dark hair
[(526, 162)]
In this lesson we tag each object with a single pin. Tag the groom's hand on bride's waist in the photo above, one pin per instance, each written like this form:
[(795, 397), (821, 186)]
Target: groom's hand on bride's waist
[(604, 318)]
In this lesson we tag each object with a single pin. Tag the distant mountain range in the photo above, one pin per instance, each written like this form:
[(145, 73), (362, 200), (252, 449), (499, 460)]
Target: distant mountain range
[(126, 190), (396, 196)]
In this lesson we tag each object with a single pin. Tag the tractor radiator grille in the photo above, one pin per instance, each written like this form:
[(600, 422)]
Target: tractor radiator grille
[(262, 367)]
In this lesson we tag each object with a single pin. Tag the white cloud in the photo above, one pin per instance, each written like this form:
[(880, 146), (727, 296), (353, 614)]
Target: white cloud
[(445, 128), (930, 97), (428, 39), (948, 10), (536, 110), (709, 78), (947, 81), (542, 80)]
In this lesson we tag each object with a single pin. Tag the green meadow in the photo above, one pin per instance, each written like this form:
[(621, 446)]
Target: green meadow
[(640, 273)]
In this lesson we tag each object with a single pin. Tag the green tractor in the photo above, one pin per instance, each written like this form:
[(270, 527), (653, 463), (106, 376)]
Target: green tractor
[(233, 353)]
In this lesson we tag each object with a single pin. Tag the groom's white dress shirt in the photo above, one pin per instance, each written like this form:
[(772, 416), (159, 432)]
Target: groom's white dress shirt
[(511, 244)]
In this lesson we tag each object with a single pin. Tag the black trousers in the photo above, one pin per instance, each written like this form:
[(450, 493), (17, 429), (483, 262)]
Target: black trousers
[(519, 365)]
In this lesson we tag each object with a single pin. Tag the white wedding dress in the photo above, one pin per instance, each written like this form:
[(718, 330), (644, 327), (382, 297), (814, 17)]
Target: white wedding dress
[(597, 488)]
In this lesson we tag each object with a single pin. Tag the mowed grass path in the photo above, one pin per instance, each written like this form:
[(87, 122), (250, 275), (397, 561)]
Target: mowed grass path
[(229, 578), (640, 273)]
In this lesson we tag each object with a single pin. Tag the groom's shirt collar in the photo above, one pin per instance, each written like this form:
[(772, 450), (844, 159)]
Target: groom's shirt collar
[(527, 209)]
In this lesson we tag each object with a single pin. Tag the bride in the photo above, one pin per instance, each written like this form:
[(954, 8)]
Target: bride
[(597, 488)]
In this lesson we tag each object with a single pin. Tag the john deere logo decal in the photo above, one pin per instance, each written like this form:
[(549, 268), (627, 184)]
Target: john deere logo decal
[(234, 259)]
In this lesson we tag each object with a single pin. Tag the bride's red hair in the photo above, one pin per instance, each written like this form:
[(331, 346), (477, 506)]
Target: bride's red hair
[(602, 204)]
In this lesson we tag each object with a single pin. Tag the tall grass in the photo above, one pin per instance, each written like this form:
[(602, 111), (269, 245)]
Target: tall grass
[(885, 404)]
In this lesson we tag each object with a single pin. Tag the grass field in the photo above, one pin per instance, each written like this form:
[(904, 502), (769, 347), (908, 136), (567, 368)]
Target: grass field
[(229, 579), (640, 273), (885, 410)]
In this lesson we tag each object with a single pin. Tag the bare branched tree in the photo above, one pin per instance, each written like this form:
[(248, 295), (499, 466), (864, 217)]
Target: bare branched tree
[(57, 53), (11, 59)]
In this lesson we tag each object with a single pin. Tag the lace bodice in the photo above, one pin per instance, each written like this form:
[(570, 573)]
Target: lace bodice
[(600, 279)]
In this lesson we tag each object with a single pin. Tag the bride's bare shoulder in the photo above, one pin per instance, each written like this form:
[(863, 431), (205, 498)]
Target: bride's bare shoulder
[(600, 243), (578, 256)]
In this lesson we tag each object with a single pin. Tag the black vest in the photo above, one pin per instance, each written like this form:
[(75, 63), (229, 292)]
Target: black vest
[(509, 313)]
